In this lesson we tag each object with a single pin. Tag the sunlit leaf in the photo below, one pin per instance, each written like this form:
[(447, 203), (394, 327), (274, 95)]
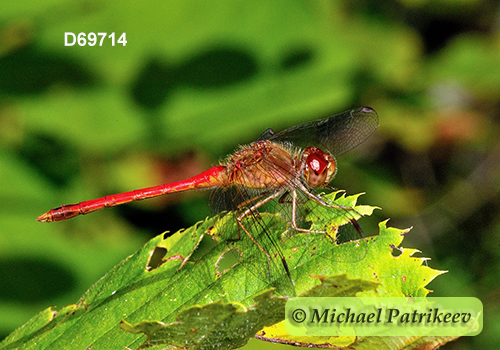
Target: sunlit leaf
[(148, 291)]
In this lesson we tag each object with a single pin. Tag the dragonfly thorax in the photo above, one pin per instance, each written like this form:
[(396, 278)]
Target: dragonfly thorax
[(262, 164), (318, 167)]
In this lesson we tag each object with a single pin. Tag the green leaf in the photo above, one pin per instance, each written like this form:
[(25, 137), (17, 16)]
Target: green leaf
[(184, 282), (229, 325), (216, 325)]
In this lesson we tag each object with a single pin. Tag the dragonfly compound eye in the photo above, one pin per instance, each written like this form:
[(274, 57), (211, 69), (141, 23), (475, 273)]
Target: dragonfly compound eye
[(319, 167)]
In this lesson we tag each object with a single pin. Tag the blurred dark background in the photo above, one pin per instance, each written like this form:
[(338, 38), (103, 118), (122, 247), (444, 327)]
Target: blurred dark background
[(197, 78)]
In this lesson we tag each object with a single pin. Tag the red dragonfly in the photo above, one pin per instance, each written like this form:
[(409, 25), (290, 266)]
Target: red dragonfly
[(284, 166)]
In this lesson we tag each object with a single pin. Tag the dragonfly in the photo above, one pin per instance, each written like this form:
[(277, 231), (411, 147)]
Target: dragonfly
[(284, 167)]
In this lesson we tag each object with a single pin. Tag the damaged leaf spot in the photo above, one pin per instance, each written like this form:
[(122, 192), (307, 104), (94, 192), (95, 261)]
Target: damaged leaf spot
[(156, 258), (396, 252), (206, 244), (229, 259)]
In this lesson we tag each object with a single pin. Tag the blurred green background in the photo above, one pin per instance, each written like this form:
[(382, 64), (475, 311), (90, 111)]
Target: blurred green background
[(197, 78)]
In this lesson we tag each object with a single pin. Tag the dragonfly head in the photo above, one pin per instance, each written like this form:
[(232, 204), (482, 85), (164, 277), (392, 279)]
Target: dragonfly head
[(319, 167)]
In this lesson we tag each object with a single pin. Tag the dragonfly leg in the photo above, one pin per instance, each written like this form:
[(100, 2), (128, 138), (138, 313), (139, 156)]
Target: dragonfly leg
[(322, 202), (283, 200), (353, 221), (253, 210), (294, 216)]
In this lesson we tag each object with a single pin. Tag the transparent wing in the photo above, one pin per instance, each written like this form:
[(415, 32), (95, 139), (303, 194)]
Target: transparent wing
[(256, 245), (336, 134)]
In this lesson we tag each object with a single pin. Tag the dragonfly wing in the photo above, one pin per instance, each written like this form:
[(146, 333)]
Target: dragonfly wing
[(235, 198), (336, 134), (256, 245), (266, 135)]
